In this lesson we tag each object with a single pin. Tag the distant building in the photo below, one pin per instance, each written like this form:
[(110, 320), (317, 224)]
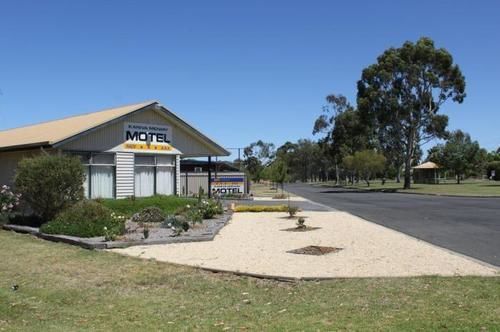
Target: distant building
[(198, 166), (426, 173)]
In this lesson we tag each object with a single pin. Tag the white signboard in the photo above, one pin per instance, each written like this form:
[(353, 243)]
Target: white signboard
[(148, 137), (147, 133), (231, 185)]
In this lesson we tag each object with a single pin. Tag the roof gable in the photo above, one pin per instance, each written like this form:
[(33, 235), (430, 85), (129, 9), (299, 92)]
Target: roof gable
[(59, 132), (52, 132)]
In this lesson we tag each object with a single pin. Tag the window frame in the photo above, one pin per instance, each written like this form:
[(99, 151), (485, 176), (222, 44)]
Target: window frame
[(155, 166), (89, 163)]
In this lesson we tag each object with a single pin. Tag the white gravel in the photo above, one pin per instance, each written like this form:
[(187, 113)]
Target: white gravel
[(255, 243)]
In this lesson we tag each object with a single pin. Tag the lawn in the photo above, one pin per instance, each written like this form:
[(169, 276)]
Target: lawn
[(64, 288), (129, 206), (467, 188)]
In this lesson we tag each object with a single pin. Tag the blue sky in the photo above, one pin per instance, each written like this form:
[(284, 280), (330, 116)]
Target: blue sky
[(238, 70)]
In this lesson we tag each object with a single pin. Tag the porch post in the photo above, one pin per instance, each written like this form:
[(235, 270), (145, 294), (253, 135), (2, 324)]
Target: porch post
[(209, 176)]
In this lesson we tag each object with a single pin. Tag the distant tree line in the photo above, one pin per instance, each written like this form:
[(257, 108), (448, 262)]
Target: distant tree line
[(396, 112)]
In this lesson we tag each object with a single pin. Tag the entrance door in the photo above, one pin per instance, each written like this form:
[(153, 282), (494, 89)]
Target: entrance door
[(144, 181), (165, 180)]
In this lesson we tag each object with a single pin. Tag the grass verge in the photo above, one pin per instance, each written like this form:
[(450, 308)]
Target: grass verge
[(467, 188), (266, 190), (64, 288)]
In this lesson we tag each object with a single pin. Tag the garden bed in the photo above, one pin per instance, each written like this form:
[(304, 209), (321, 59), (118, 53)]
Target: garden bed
[(314, 250), (204, 231)]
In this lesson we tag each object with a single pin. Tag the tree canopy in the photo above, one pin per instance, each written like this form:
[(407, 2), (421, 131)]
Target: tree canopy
[(401, 94), (366, 164), (459, 154)]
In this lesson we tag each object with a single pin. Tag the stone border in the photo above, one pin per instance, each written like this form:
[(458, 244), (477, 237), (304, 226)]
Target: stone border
[(95, 243)]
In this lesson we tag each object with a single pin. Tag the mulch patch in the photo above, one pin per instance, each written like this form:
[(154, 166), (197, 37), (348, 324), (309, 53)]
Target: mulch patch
[(315, 250), (301, 229)]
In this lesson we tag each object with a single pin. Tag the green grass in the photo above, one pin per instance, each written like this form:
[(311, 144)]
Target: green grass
[(65, 288), (266, 190), (128, 207), (467, 188)]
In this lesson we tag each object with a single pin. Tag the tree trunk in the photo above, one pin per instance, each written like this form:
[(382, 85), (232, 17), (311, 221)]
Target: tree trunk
[(408, 158), (337, 175), (407, 184), (398, 175), (458, 178)]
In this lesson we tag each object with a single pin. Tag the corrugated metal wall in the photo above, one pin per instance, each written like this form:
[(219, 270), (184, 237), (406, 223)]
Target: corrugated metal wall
[(178, 175), (124, 174)]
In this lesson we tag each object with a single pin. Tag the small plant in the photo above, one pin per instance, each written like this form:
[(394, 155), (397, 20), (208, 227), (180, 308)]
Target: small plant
[(194, 215), (149, 215), (177, 224), (292, 210), (301, 223), (109, 234)]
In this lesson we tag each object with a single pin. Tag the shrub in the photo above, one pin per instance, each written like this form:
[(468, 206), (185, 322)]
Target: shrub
[(86, 219), (292, 210), (25, 220), (150, 214), (49, 183), (261, 208), (203, 209), (209, 208)]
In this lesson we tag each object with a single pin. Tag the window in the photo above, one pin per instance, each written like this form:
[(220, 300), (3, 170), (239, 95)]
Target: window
[(198, 169), (154, 175), (99, 174)]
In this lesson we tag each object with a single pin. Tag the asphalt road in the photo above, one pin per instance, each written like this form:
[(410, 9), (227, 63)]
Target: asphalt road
[(470, 226)]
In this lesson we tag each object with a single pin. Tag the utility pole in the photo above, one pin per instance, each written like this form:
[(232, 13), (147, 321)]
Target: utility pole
[(239, 155)]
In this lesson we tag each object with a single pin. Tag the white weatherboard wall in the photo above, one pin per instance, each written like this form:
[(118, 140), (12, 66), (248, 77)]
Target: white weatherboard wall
[(124, 174)]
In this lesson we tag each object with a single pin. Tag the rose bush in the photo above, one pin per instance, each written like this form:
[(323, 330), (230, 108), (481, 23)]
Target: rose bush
[(8, 200)]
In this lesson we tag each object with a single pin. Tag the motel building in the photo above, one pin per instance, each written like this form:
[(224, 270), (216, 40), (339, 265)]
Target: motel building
[(133, 150)]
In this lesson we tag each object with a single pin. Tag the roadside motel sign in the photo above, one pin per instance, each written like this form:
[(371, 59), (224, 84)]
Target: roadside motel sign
[(228, 185)]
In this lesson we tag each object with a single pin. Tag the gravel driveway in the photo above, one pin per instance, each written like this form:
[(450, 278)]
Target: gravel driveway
[(256, 243)]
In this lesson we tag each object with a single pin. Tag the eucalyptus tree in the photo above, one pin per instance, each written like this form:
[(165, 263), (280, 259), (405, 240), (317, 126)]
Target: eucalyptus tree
[(257, 156), (344, 132), (403, 92)]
